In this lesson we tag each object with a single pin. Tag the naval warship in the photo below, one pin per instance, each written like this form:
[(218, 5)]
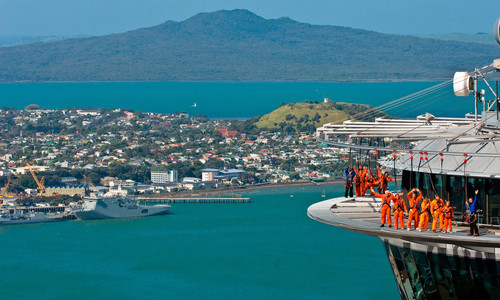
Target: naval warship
[(21, 216), (117, 207)]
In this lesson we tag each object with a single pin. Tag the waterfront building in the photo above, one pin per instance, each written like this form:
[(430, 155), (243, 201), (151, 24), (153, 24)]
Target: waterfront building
[(210, 175), (70, 190), (88, 112), (164, 176), (191, 183)]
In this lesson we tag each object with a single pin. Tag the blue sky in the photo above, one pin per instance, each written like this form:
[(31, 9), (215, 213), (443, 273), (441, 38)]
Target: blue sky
[(101, 17)]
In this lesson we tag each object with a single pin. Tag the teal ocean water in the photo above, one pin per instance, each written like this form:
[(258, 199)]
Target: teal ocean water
[(225, 99), (267, 249), (262, 250)]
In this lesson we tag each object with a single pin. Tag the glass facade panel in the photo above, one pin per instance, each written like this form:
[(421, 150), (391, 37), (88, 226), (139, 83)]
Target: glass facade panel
[(453, 188), (423, 275), (443, 275), (457, 194), (437, 185), (493, 191)]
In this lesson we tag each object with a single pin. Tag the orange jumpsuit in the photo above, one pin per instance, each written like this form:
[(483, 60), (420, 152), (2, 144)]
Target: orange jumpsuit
[(383, 181), (437, 207), (386, 208), (399, 209), (370, 183), (362, 172), (363, 185), (357, 186), (413, 214), (448, 216), (424, 216)]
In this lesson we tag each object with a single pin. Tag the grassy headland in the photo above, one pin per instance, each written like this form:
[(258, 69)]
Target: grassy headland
[(306, 116)]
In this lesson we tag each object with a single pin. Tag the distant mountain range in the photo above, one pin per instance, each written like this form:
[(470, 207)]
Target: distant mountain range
[(481, 37), (238, 45), (7, 41)]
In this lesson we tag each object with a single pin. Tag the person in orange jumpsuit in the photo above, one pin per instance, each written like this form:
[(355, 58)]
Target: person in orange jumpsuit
[(357, 185), (359, 181), (399, 210), (437, 207), (383, 179), (414, 197), (386, 207), (448, 216), (364, 179), (424, 216), (371, 183)]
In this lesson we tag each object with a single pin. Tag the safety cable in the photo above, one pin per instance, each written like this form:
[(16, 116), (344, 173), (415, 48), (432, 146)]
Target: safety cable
[(401, 101)]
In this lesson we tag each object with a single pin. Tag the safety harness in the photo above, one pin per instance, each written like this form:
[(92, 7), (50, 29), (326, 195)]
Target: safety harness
[(447, 212)]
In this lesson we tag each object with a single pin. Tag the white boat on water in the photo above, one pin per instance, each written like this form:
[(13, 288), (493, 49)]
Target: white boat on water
[(117, 207)]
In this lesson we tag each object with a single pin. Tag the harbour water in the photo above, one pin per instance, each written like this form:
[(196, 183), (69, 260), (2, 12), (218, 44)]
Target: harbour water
[(261, 250), (265, 249), (220, 99)]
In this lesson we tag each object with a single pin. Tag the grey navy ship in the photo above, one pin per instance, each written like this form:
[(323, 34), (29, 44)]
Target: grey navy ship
[(12, 216), (117, 207)]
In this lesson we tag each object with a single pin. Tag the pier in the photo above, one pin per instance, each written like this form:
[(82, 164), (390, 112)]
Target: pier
[(157, 200)]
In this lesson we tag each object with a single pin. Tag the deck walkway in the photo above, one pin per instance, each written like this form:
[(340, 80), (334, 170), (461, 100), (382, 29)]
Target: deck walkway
[(362, 214)]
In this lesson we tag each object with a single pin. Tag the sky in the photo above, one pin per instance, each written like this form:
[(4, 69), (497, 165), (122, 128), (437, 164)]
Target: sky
[(102, 17)]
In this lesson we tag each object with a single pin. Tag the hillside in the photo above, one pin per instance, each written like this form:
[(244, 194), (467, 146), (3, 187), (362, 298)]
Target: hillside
[(238, 45), (306, 116)]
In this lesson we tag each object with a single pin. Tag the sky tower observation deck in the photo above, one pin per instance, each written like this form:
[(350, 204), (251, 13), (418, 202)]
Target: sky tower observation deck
[(447, 157)]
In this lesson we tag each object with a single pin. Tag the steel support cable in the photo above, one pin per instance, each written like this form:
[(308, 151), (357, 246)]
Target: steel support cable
[(443, 95), (400, 101), (440, 96), (373, 112), (473, 127), (410, 109), (411, 172), (430, 175), (373, 127), (397, 101), (423, 123), (415, 97), (403, 100), (458, 107)]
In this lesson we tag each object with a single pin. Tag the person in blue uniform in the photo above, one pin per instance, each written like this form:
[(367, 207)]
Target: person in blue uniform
[(473, 211), (349, 181)]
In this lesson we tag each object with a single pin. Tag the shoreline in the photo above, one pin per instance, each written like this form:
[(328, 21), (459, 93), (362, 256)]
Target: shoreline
[(229, 190)]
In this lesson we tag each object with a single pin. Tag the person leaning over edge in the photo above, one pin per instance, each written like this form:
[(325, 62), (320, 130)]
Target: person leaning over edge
[(414, 197), (448, 217), (399, 210), (386, 207), (424, 215)]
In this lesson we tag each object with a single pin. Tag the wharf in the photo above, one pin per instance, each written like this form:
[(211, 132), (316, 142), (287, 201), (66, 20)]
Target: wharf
[(157, 200)]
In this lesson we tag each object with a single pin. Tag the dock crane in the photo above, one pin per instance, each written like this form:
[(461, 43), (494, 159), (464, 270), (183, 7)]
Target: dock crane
[(4, 192), (40, 183)]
